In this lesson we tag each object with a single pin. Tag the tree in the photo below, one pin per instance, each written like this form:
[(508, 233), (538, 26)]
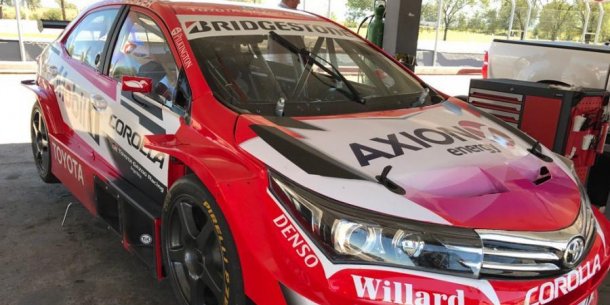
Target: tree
[(581, 19), (358, 9), (429, 10), (450, 10), (2, 4), (62, 5), (521, 10), (32, 4), (491, 20), (477, 22), (554, 18)]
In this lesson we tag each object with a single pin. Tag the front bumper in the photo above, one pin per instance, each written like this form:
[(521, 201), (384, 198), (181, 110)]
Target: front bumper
[(286, 267), (363, 284)]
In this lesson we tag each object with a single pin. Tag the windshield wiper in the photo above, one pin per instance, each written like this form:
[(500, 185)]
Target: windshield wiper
[(318, 61), (421, 100), (536, 150)]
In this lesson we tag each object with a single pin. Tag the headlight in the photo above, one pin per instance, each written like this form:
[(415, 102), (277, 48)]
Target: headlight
[(348, 234)]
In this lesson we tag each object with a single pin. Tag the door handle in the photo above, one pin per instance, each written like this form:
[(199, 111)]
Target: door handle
[(52, 70), (99, 103)]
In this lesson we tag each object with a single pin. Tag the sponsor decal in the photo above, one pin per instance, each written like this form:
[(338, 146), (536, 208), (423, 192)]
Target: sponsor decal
[(243, 11), (230, 26), (70, 164), (135, 140), (144, 3), (423, 138), (181, 47), (402, 293), (223, 250), (135, 172), (136, 84), (561, 286), (297, 241), (78, 105)]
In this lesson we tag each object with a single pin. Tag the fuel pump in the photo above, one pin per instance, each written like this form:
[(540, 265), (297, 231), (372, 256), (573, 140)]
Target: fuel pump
[(375, 31), (376, 25), (398, 21)]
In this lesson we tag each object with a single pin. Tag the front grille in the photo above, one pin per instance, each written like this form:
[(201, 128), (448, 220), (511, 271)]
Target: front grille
[(508, 254)]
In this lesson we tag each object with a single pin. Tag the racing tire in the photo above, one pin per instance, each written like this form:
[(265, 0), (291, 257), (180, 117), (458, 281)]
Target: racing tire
[(199, 253), (41, 149)]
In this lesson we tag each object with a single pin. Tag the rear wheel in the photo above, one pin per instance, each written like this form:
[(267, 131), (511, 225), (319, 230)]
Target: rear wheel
[(199, 252), (40, 145)]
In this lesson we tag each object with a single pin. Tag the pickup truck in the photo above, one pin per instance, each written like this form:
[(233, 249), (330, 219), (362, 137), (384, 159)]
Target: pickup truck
[(563, 63)]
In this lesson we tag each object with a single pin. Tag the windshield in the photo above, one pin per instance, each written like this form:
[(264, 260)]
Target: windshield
[(307, 74)]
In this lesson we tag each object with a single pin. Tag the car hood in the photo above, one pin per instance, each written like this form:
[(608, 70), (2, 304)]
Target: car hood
[(451, 164)]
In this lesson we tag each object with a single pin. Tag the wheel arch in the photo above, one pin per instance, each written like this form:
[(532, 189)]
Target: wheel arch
[(212, 164), (48, 103), (217, 168)]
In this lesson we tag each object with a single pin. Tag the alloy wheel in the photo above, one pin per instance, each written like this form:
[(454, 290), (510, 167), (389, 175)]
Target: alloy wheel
[(40, 141), (194, 254)]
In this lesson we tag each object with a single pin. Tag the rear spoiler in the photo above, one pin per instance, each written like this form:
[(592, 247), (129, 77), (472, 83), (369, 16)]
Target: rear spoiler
[(52, 24)]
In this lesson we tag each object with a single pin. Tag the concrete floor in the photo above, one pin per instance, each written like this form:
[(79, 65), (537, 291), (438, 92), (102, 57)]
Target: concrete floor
[(44, 263), (80, 263)]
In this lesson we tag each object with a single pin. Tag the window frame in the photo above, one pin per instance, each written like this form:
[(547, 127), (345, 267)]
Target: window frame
[(120, 11), (166, 35)]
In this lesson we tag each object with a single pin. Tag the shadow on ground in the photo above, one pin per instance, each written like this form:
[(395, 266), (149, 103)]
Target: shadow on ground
[(443, 59), (44, 263)]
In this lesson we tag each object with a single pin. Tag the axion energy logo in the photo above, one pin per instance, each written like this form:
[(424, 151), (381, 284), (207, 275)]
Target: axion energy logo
[(402, 293), (464, 139)]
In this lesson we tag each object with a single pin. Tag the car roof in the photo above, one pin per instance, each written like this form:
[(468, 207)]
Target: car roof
[(217, 7)]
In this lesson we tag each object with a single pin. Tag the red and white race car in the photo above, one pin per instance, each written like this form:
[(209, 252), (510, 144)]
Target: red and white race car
[(267, 156)]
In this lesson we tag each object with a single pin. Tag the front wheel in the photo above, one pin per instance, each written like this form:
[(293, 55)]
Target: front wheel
[(199, 252)]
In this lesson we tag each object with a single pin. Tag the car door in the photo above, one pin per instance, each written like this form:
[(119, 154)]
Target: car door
[(74, 68), (142, 51)]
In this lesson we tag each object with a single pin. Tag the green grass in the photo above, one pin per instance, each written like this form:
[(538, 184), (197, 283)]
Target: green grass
[(425, 34), (27, 36), (430, 34)]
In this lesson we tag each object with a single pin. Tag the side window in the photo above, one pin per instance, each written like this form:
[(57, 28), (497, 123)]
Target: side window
[(87, 40), (142, 50)]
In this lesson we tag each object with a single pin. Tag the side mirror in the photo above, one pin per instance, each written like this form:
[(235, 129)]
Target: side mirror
[(136, 84)]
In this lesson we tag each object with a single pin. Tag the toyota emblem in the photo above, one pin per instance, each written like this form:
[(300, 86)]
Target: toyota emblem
[(574, 252)]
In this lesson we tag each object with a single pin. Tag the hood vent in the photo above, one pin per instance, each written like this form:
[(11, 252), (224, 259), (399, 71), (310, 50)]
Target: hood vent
[(543, 176), (389, 184)]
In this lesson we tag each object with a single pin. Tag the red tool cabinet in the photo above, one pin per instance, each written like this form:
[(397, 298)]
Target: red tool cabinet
[(550, 114)]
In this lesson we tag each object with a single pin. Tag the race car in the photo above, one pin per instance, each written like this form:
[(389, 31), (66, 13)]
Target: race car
[(266, 156)]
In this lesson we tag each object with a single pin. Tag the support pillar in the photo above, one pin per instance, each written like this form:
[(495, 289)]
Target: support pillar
[(401, 30), (585, 29), (511, 21), (530, 7), (600, 20), (19, 31)]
